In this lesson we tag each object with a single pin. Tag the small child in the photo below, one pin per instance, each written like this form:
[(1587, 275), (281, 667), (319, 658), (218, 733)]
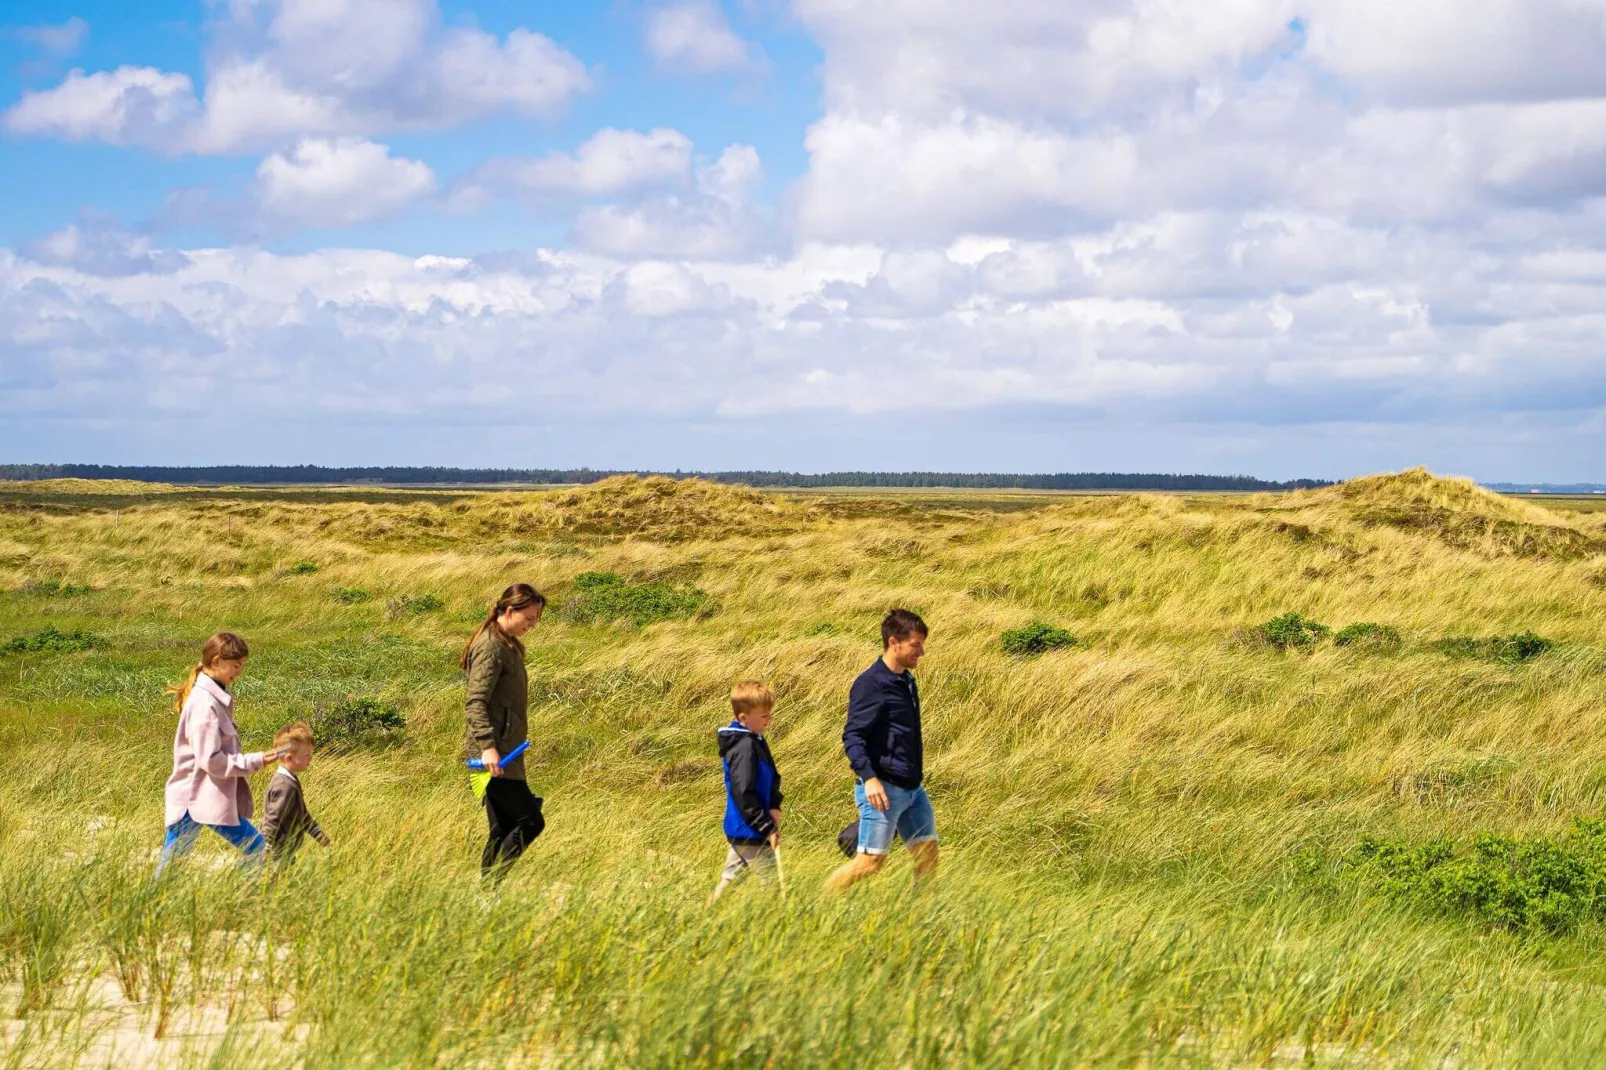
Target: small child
[(752, 784), (285, 820)]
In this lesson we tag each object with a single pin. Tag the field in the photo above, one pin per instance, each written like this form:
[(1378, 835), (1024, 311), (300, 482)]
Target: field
[(1181, 840)]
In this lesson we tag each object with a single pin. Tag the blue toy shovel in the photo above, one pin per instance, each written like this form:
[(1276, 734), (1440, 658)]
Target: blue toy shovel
[(480, 778)]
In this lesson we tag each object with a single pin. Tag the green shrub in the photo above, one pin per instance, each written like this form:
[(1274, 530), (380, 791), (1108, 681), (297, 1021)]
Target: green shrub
[(1503, 649), (350, 596), (349, 722), (1036, 638), (56, 587), (1370, 637), (301, 568), (51, 641), (1535, 886), (1293, 630), (601, 597), (424, 603)]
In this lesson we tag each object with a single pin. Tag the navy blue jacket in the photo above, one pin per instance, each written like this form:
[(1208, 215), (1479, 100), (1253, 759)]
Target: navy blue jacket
[(752, 785), (882, 737)]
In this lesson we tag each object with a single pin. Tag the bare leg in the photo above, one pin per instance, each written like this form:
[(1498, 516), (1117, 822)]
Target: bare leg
[(925, 856), (853, 871)]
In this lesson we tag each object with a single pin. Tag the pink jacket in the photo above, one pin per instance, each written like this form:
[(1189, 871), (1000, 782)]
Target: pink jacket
[(210, 772)]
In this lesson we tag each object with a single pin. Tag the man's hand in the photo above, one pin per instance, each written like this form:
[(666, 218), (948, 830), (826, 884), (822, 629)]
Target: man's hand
[(876, 794), (492, 760)]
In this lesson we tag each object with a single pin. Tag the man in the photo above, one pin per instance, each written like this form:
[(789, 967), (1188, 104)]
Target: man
[(882, 741)]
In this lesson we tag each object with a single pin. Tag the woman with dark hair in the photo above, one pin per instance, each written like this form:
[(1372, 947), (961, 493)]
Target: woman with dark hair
[(497, 711)]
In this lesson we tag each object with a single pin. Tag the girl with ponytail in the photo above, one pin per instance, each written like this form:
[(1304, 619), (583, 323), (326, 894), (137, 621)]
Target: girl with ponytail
[(497, 711), (208, 788)]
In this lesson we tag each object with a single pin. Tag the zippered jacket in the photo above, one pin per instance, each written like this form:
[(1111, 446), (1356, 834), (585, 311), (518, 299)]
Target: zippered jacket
[(210, 770), (882, 734), (752, 785), (496, 707)]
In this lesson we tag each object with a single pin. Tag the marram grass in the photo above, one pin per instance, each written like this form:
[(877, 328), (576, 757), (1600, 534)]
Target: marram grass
[(1143, 835)]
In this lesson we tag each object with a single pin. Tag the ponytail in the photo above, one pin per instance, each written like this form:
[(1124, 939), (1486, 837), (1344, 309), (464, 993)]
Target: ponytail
[(517, 596), (224, 646)]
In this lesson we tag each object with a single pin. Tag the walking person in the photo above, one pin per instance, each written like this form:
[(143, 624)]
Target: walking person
[(883, 745), (497, 711), (209, 787)]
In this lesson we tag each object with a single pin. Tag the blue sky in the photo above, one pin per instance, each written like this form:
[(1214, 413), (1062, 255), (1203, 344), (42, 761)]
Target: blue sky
[(1316, 238)]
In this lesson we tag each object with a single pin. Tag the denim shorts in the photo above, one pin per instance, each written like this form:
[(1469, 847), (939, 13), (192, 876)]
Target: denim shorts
[(908, 814)]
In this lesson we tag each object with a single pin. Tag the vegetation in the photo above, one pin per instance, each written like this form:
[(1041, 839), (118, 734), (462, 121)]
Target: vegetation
[(311, 473), (1036, 638), (1506, 649), (605, 597), (1151, 849), (348, 722), (1293, 630), (1370, 637), (51, 641)]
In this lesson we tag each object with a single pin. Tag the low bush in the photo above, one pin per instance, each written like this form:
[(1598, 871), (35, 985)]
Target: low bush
[(301, 568), (603, 597), (51, 641), (1293, 630), (56, 587), (408, 605), (1036, 638), (1503, 649), (349, 722), (350, 596), (1369, 637), (1540, 886)]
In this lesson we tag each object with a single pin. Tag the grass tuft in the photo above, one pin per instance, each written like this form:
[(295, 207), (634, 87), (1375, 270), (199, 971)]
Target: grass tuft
[(52, 641), (1036, 638), (606, 597)]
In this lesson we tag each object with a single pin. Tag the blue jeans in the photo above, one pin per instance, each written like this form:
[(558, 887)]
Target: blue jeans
[(908, 814), (182, 834)]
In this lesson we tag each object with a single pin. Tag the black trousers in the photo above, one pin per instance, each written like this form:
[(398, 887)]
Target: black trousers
[(515, 819)]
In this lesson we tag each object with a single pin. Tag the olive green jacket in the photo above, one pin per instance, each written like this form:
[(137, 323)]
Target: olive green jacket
[(498, 701)]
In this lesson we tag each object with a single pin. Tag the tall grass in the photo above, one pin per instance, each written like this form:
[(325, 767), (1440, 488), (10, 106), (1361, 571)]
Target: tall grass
[(1143, 834)]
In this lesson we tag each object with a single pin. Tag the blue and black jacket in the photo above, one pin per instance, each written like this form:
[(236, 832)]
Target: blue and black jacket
[(752, 785)]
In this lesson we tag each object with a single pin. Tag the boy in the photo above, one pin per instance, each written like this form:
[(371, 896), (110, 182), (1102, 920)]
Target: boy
[(752, 784), (285, 820)]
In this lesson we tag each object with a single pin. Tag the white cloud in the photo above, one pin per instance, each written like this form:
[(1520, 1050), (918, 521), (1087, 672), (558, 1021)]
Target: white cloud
[(97, 246), (336, 183), (611, 162), (719, 223), (694, 37), (57, 40), (281, 69)]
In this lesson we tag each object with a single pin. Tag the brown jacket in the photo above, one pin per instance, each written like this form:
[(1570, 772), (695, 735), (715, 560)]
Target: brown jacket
[(285, 821), (497, 707)]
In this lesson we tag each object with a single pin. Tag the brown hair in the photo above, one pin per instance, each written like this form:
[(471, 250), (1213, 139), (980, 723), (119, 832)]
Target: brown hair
[(515, 597), (224, 646), (294, 734), (900, 624), (750, 696)]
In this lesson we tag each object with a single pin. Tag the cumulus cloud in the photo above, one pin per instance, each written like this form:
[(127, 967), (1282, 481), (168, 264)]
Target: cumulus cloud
[(280, 69), (335, 183), (97, 246), (694, 37), (610, 163), (719, 222)]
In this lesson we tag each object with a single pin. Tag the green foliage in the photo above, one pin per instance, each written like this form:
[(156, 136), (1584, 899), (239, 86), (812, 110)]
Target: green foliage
[(349, 722), (825, 627), (1369, 637), (602, 597), (414, 604), (56, 587), (1036, 638), (1537, 886), (301, 568), (1502, 649), (1293, 630), (350, 596), (51, 641)]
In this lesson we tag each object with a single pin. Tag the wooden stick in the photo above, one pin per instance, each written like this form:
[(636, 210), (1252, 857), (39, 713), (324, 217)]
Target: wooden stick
[(780, 874)]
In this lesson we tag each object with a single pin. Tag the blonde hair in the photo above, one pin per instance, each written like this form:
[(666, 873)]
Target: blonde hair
[(224, 646), (515, 597), (750, 696), (296, 733)]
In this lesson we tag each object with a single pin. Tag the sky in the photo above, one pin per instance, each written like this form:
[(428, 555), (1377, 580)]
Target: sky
[(1278, 238)]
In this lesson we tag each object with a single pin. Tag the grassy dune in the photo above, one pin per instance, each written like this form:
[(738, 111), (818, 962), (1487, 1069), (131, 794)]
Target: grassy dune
[(1149, 838)]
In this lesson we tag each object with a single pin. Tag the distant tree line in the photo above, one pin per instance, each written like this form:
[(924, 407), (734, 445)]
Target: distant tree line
[(311, 473)]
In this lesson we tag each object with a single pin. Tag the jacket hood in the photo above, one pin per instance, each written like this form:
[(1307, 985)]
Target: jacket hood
[(731, 734)]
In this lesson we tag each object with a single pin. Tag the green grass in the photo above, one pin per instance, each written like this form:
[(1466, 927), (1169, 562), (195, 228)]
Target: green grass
[(1151, 839)]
